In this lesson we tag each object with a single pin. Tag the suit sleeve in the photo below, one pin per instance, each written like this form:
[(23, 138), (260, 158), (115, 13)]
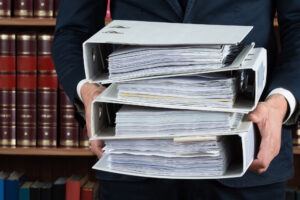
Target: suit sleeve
[(76, 22), (286, 74)]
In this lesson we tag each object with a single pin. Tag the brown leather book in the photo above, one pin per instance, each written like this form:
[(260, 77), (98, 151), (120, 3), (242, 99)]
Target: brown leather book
[(83, 138), (23, 8), (296, 134), (90, 191), (5, 8), (45, 62), (56, 5), (7, 110), (26, 109), (7, 52), (26, 53), (68, 136), (43, 8), (47, 110)]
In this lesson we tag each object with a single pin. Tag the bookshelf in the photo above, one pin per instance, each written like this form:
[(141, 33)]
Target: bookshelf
[(44, 164), (37, 22), (36, 151)]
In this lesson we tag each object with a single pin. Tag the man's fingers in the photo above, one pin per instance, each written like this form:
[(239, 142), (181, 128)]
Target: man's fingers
[(258, 115), (96, 147)]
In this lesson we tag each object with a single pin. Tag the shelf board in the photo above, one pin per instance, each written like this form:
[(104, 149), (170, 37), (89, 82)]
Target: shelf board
[(27, 21), (296, 150), (34, 151)]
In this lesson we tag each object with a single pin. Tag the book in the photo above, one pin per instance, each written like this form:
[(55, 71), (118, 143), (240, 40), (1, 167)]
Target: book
[(68, 126), (296, 134), (45, 62), (46, 191), (90, 191), (5, 8), (23, 8), (35, 190), (12, 185), (26, 52), (83, 138), (69, 136), (8, 109), (24, 191), (73, 186), (3, 177), (43, 8), (47, 110), (59, 189), (26, 109), (56, 6), (7, 52)]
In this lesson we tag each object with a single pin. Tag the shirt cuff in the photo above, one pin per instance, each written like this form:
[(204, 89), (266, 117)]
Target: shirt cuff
[(79, 86), (290, 99)]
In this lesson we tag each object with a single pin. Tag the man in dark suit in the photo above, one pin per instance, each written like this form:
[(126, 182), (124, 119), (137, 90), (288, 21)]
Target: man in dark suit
[(78, 20)]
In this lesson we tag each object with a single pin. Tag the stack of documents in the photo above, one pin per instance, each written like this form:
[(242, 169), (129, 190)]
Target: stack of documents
[(136, 120), (209, 90), (182, 97), (133, 62), (165, 157)]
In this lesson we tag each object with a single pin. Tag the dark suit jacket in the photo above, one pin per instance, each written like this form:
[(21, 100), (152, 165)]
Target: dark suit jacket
[(78, 20)]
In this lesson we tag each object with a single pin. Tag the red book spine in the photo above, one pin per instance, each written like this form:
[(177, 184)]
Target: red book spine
[(8, 110), (45, 62), (7, 52), (23, 8), (26, 110), (26, 53), (43, 8), (72, 190), (69, 129), (47, 110), (5, 8), (86, 194)]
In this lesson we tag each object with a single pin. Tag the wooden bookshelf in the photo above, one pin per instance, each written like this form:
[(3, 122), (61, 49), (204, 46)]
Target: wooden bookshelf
[(296, 150), (38, 22), (35, 151)]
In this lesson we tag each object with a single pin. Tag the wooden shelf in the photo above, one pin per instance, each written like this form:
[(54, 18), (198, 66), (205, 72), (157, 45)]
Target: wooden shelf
[(27, 21), (296, 150), (32, 151)]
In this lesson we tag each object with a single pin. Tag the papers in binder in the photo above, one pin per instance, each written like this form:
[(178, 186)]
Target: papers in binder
[(173, 48), (136, 120), (187, 157), (136, 62), (209, 90)]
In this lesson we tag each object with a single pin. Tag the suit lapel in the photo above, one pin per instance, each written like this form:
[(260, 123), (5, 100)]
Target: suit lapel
[(176, 7), (188, 10)]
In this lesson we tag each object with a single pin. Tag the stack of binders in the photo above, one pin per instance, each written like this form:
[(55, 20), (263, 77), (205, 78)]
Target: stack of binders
[(177, 102)]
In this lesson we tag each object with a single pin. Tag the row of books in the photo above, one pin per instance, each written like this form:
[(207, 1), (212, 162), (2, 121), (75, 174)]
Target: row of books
[(29, 8), (34, 8), (296, 134), (31, 103), (292, 193), (14, 186)]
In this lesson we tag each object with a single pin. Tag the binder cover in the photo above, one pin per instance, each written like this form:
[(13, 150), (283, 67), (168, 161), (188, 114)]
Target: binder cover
[(125, 32)]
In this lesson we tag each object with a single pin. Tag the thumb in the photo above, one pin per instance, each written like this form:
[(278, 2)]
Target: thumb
[(257, 115)]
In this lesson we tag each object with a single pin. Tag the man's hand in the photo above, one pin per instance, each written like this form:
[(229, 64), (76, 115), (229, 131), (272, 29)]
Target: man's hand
[(268, 116), (89, 92)]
